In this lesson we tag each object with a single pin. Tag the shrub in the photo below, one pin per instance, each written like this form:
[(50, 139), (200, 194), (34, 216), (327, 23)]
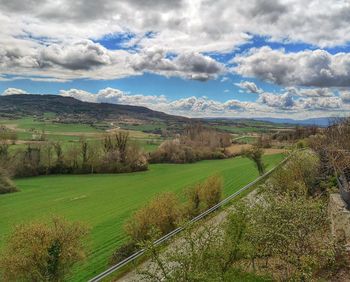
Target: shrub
[(193, 196), (6, 185), (211, 192), (41, 252), (203, 195), (297, 177), (294, 234), (163, 213)]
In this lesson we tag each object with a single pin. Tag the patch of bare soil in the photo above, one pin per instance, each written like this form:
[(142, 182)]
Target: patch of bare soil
[(236, 149), (273, 151), (14, 127)]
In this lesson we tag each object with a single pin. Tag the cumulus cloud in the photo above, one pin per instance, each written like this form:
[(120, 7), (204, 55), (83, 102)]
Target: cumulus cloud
[(114, 96), (311, 92), (14, 91), (305, 68), (323, 103), (191, 65), (190, 106), (82, 55), (287, 101), (284, 101), (39, 35), (249, 87), (87, 59), (345, 96)]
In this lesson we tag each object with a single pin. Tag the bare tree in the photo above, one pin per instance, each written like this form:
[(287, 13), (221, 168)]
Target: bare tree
[(122, 139)]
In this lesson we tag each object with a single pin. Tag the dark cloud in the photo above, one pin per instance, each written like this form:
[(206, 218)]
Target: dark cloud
[(191, 65), (82, 55), (268, 10)]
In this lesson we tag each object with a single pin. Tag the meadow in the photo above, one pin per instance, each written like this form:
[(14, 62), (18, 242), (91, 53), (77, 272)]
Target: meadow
[(66, 133), (104, 202)]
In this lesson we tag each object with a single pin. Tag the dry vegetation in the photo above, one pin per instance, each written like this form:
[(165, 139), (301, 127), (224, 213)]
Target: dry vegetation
[(6, 185), (280, 234), (195, 143), (41, 252), (166, 212)]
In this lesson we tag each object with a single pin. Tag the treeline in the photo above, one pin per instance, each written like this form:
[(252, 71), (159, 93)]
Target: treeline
[(195, 143), (279, 234), (115, 153), (297, 133), (166, 212)]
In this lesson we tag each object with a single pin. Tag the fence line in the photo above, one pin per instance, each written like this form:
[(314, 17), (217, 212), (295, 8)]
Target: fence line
[(171, 234)]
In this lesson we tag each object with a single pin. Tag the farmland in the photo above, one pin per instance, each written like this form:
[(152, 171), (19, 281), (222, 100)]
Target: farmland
[(106, 201), (28, 128)]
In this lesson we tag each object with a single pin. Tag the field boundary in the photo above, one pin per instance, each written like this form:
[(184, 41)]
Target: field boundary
[(176, 231)]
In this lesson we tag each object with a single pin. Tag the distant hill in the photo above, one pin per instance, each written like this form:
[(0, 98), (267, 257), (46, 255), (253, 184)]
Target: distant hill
[(73, 110), (323, 121)]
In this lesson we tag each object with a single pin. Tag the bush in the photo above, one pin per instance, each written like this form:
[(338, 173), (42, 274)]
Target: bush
[(172, 151), (294, 235), (298, 176), (41, 252), (6, 185), (211, 192), (163, 213), (202, 196)]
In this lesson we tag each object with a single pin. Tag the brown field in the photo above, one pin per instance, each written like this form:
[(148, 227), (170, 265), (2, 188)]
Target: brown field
[(236, 149)]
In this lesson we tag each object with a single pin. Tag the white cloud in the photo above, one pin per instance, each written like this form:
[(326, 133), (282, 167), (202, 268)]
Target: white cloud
[(190, 65), (14, 91), (286, 101), (305, 68), (53, 38), (86, 59), (224, 79), (311, 92), (345, 96), (249, 87), (191, 106), (115, 96)]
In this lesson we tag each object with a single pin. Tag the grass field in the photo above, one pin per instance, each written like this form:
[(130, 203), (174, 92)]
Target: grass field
[(26, 128), (29, 123), (106, 201)]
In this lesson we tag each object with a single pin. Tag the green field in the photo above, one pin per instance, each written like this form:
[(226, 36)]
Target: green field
[(106, 201), (48, 126)]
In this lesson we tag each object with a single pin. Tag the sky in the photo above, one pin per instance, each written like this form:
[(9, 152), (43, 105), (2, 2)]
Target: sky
[(197, 58)]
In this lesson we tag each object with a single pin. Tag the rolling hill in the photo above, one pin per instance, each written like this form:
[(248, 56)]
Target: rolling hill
[(68, 109)]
